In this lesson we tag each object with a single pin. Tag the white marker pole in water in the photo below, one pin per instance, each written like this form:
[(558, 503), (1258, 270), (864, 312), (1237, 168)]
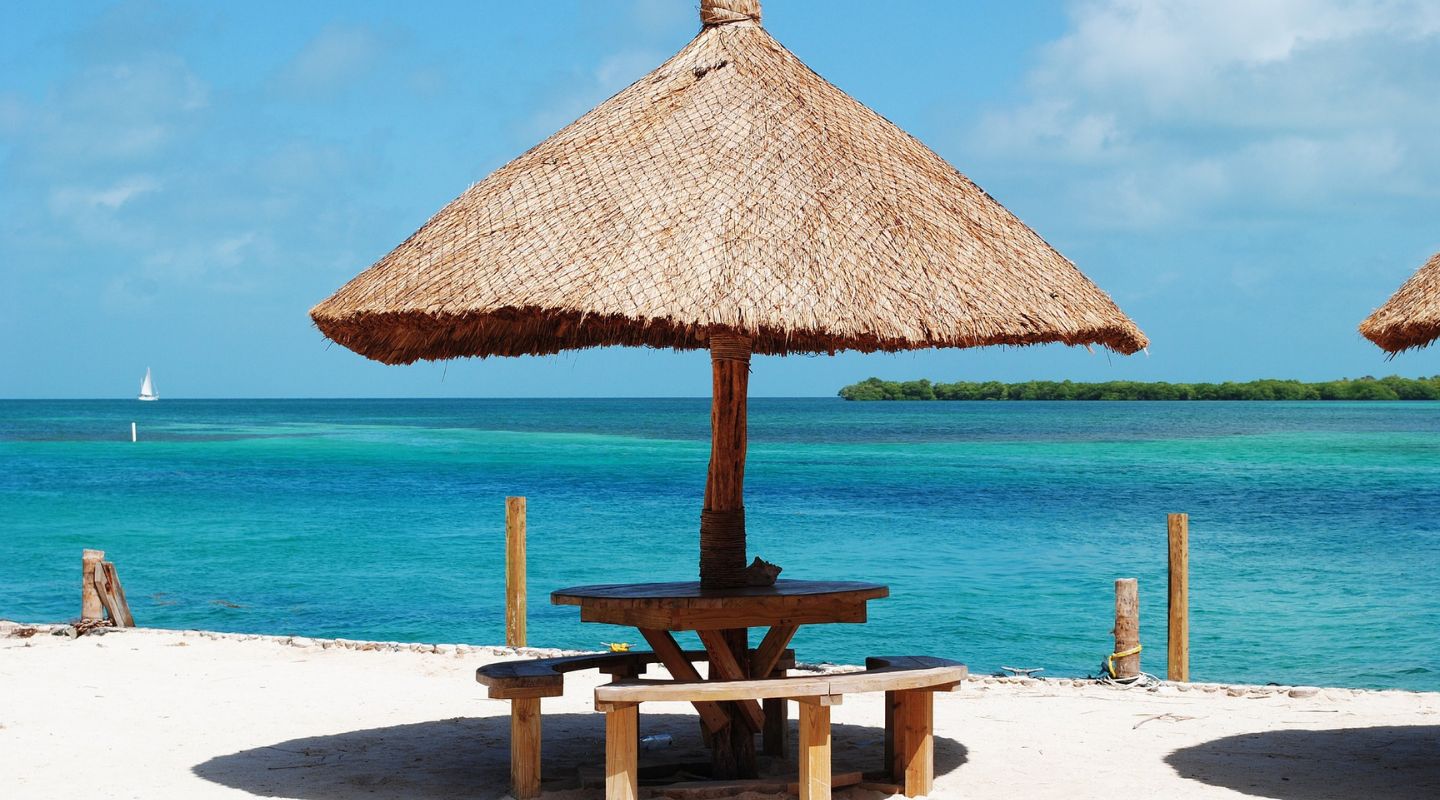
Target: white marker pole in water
[(132, 431)]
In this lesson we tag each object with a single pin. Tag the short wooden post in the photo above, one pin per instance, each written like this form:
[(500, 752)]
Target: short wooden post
[(515, 571), (525, 747), (1127, 627), (112, 595), (1178, 642), (777, 720), (622, 769), (90, 607), (891, 763), (814, 749), (112, 585), (914, 741)]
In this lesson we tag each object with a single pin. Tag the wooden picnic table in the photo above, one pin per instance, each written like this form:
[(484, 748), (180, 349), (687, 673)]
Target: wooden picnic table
[(722, 619)]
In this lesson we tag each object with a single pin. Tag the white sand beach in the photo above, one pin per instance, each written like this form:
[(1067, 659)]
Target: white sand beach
[(142, 713)]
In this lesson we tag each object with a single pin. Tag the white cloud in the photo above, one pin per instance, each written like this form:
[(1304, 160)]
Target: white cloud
[(336, 56), (71, 199), (218, 263), (1179, 107), (116, 112), (1051, 125)]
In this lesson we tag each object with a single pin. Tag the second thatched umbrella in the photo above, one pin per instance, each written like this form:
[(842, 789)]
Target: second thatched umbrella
[(733, 200), (1411, 317)]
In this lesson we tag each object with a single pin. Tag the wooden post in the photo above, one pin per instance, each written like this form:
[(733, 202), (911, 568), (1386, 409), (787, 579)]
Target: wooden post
[(776, 722), (1178, 642), (112, 596), (914, 723), (814, 749), (90, 607), (525, 747), (722, 526), (515, 571), (622, 770), (722, 522), (1127, 626)]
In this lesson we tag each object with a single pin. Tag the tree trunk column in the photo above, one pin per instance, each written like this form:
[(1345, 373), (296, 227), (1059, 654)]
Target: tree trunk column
[(722, 522)]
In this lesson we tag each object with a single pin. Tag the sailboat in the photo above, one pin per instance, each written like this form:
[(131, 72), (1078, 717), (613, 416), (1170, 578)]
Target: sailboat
[(147, 387)]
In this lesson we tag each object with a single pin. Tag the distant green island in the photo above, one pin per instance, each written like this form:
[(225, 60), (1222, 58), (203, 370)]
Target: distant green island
[(1367, 388)]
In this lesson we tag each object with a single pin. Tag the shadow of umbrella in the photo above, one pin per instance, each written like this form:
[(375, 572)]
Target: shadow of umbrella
[(1385, 763), (469, 757)]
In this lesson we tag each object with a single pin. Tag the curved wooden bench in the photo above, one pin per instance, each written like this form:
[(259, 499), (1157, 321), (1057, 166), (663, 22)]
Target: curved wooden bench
[(525, 681), (909, 684)]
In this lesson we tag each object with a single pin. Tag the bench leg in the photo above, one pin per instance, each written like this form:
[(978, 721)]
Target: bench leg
[(622, 770), (891, 766), (814, 751), (776, 721), (913, 740), (525, 747)]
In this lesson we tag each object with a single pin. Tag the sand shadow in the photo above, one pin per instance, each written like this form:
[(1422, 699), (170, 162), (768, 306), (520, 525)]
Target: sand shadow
[(470, 757), (1385, 763)]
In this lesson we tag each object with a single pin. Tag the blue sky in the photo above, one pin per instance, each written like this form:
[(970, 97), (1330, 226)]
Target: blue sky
[(180, 182)]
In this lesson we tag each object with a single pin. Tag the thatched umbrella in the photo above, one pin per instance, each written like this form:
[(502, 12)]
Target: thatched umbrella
[(1411, 317), (733, 200)]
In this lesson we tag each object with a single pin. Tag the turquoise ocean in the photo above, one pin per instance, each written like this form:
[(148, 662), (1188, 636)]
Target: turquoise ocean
[(999, 527)]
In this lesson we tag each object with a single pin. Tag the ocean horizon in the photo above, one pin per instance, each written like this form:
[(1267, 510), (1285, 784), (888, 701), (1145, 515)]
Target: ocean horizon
[(999, 527)]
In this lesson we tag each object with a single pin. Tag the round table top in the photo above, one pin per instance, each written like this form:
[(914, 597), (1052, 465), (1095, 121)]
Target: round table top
[(690, 591), (684, 605)]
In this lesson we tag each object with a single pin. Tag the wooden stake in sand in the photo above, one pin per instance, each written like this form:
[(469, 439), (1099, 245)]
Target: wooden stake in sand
[(515, 571), (1127, 628), (90, 607), (112, 595), (1178, 642)]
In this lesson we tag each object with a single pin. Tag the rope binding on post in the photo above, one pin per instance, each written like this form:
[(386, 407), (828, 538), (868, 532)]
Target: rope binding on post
[(1110, 659)]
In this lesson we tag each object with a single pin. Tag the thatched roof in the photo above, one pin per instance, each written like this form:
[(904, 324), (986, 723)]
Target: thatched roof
[(1411, 317), (730, 189)]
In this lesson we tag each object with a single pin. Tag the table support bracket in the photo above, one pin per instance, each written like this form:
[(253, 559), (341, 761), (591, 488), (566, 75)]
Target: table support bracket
[(670, 654)]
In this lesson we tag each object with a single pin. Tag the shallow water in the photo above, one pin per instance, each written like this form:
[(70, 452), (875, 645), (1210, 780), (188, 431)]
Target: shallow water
[(999, 527)]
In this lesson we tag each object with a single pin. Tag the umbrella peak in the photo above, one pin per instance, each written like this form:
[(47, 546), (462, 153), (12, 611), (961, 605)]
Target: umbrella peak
[(725, 12)]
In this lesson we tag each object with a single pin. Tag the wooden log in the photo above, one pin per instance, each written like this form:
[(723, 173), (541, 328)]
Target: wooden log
[(127, 619), (622, 768), (722, 552), (1177, 661), (90, 607), (814, 750), (1127, 627), (112, 596), (525, 748), (515, 571), (914, 734)]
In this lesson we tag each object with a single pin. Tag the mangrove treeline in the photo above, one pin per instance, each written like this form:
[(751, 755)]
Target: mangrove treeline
[(1367, 388)]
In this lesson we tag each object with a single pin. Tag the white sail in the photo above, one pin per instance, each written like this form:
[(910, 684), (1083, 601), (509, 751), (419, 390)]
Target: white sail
[(147, 387)]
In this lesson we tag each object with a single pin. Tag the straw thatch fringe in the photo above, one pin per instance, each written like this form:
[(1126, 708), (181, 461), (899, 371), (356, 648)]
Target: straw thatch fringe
[(406, 337), (1411, 317), (730, 189)]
